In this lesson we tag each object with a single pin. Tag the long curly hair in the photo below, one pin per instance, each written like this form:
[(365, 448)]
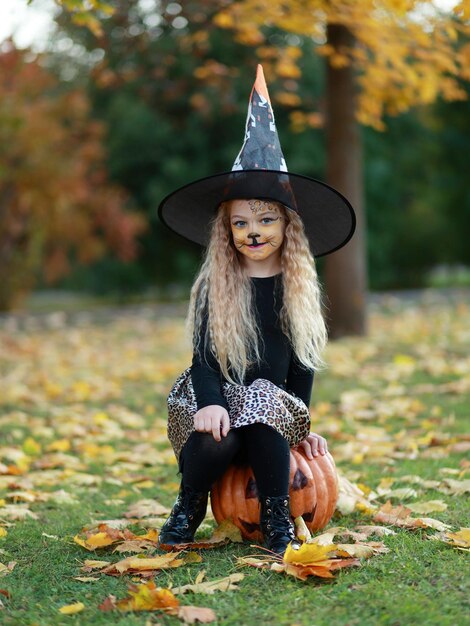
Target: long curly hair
[(223, 286)]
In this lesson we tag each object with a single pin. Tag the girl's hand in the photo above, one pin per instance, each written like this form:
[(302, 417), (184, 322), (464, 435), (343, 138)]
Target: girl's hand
[(314, 444), (211, 419)]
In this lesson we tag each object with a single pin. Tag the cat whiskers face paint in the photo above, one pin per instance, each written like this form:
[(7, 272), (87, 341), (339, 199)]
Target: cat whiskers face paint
[(257, 226)]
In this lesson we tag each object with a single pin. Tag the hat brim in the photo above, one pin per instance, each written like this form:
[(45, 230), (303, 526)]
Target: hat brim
[(328, 217)]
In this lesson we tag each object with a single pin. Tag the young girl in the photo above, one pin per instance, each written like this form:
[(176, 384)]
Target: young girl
[(256, 323)]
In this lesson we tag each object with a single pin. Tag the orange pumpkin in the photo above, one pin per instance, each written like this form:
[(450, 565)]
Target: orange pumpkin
[(313, 494)]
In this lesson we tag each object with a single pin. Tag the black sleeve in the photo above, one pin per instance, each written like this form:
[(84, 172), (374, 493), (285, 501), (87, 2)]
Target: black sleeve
[(205, 373), (299, 380)]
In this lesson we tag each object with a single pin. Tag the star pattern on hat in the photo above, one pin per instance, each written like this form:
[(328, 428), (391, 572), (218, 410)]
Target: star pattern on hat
[(261, 147)]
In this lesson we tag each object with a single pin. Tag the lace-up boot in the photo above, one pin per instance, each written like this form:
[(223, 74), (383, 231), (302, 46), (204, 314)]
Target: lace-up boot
[(186, 515), (275, 522)]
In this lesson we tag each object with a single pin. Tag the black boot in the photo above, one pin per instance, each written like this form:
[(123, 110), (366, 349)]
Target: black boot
[(275, 522), (187, 514)]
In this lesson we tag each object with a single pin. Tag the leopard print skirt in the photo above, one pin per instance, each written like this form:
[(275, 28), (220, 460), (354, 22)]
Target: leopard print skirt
[(260, 402)]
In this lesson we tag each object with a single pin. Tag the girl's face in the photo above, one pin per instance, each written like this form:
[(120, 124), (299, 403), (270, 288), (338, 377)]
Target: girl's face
[(258, 227)]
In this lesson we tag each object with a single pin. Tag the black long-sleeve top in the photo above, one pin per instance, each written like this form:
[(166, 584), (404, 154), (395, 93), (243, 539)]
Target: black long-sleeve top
[(278, 363)]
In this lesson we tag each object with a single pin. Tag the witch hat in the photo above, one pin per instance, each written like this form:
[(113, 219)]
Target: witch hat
[(260, 171)]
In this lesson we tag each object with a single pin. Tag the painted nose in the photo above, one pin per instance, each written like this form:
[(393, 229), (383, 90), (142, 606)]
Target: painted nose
[(253, 236)]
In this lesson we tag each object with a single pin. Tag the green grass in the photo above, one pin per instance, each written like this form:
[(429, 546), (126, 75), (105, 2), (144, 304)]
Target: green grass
[(418, 581)]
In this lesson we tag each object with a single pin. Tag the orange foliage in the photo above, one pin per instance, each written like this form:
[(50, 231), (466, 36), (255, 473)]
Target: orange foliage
[(55, 199)]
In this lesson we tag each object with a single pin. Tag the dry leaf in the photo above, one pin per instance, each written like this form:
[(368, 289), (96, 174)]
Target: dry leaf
[(70, 609), (210, 586), (361, 550), (148, 597), (191, 614), (301, 530), (7, 569), (350, 496), (399, 516), (145, 508), (428, 507), (459, 539), (225, 532), (142, 563)]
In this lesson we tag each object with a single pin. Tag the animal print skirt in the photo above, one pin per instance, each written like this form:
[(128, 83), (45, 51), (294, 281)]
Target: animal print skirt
[(260, 402)]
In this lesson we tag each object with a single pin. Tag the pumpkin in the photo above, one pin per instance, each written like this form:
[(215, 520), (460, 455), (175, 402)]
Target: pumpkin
[(313, 491)]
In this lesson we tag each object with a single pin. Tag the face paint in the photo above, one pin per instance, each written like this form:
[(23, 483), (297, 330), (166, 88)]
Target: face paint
[(258, 228)]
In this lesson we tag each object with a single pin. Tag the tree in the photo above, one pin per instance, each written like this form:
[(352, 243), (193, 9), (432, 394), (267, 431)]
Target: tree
[(383, 57), (55, 200)]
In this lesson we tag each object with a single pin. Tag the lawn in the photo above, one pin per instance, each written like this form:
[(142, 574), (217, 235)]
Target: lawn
[(83, 439)]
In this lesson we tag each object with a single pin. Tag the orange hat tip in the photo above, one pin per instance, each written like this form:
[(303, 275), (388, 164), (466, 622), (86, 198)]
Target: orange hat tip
[(260, 83)]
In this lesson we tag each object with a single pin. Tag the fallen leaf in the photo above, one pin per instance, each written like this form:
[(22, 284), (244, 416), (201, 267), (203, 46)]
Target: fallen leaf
[(460, 538), (144, 508), (308, 553), (428, 507), (301, 530), (210, 586), (142, 563), (225, 532), (70, 609), (191, 614)]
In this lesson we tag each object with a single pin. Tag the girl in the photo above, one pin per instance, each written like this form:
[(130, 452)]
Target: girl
[(256, 324)]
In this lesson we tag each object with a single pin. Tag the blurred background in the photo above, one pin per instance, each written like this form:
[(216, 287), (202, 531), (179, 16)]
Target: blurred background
[(107, 107)]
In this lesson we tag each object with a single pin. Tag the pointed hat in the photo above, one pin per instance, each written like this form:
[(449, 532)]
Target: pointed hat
[(260, 171)]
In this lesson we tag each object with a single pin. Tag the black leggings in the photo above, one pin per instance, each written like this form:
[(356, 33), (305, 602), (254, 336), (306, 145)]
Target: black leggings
[(203, 459)]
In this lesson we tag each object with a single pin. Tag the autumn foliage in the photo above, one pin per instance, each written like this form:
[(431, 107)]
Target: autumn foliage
[(405, 52), (56, 204)]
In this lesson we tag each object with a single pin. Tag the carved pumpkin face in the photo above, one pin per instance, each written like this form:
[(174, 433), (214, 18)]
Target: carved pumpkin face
[(313, 494)]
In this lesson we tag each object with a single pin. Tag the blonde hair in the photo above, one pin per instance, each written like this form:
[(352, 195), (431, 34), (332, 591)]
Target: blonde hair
[(223, 286)]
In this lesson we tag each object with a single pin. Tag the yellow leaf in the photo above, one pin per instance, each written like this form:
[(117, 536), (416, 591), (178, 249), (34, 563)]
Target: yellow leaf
[(287, 69), (31, 447), (152, 535), (301, 530), (223, 20), (404, 359), (461, 537), (308, 553), (99, 540), (59, 445), (70, 609), (147, 597), (101, 417), (364, 488), (145, 484), (428, 507), (288, 99), (363, 508)]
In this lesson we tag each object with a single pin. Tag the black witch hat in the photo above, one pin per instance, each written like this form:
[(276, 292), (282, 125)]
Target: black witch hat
[(260, 171)]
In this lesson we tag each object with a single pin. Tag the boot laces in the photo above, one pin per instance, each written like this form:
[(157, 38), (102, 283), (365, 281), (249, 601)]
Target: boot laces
[(279, 516), (187, 502)]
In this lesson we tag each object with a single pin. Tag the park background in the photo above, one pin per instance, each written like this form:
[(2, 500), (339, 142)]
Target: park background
[(97, 127), (106, 108)]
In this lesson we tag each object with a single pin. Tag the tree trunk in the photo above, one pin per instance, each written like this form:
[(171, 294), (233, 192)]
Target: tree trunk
[(345, 270)]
